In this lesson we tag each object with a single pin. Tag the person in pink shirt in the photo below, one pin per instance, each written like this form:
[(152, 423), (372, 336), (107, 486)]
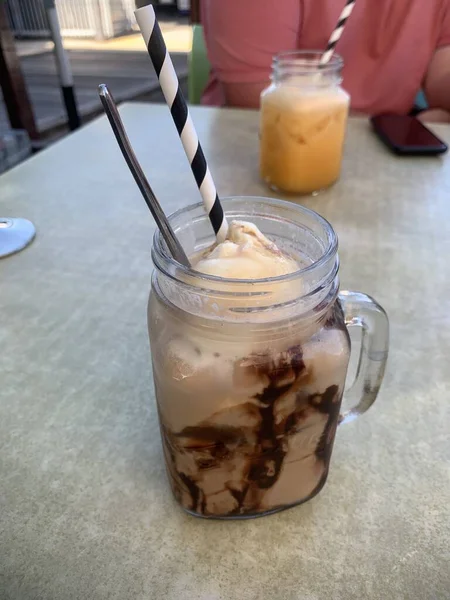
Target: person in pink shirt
[(391, 49)]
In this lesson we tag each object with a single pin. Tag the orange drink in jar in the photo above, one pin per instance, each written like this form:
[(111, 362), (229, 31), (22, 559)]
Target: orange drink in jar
[(303, 122)]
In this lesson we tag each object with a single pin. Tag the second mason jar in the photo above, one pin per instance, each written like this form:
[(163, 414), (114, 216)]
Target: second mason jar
[(303, 121)]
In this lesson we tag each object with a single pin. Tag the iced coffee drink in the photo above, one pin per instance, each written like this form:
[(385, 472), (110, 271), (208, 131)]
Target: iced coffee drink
[(247, 421), (250, 354), (303, 123)]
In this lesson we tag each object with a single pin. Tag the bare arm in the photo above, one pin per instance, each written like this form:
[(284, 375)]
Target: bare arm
[(241, 37), (437, 80)]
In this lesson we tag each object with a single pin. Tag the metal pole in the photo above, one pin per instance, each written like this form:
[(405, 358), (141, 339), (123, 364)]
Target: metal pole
[(63, 65)]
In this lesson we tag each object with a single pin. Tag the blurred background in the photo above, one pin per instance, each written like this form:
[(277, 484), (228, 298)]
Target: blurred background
[(102, 43)]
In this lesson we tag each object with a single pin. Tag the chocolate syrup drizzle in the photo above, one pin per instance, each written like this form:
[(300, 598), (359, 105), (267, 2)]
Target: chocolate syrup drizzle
[(266, 462)]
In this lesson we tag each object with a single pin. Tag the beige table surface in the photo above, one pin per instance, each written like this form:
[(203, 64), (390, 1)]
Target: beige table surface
[(86, 511)]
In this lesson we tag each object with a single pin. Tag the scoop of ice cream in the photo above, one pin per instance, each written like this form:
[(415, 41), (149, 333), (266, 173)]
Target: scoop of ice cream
[(245, 254)]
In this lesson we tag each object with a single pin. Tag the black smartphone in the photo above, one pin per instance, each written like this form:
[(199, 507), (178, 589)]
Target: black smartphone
[(407, 135)]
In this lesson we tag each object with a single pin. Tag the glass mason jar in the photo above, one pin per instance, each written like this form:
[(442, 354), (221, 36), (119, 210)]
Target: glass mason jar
[(249, 374), (303, 121)]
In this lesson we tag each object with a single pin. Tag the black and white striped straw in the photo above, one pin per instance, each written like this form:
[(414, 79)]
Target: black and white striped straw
[(170, 87), (337, 33)]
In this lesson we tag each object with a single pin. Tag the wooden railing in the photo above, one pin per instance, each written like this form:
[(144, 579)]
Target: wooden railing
[(195, 11), (13, 86)]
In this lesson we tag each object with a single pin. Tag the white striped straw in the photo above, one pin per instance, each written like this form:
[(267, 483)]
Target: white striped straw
[(336, 35), (170, 87)]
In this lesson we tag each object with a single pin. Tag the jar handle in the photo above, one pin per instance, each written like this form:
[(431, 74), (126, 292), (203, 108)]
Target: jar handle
[(363, 311)]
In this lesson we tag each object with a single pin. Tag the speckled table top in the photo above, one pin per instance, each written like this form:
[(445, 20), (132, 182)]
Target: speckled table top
[(86, 511)]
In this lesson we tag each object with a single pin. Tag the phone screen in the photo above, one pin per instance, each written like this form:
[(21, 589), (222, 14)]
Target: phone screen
[(406, 131)]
